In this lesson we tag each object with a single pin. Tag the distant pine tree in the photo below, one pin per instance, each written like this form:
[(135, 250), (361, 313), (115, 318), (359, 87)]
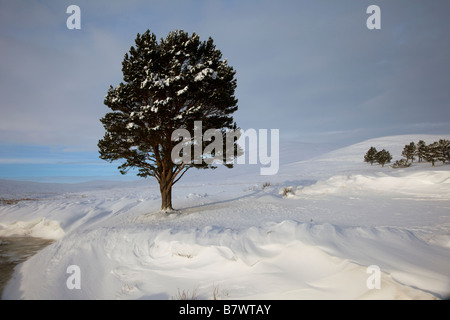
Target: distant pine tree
[(402, 163), (383, 157), (432, 153), (409, 151), (420, 150), (370, 155), (444, 150)]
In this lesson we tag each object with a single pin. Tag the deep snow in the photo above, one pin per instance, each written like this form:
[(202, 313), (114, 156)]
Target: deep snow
[(234, 237)]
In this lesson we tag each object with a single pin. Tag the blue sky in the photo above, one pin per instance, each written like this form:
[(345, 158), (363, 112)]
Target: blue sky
[(309, 68)]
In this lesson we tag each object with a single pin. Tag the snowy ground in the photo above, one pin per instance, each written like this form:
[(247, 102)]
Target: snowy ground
[(234, 239)]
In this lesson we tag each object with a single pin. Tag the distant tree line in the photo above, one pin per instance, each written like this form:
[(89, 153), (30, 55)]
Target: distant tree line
[(437, 151)]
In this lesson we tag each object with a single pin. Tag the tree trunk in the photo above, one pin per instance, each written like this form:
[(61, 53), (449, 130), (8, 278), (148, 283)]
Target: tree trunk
[(166, 197)]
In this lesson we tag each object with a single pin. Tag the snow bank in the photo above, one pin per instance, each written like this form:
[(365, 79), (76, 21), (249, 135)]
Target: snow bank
[(434, 185), (40, 228), (288, 260)]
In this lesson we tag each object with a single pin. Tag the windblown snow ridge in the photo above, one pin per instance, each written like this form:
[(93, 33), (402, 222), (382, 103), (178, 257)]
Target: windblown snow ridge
[(287, 260)]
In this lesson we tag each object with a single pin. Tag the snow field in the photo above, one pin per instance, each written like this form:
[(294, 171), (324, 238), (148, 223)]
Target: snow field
[(243, 240)]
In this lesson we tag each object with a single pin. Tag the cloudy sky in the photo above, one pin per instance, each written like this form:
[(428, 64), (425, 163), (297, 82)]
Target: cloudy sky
[(310, 68)]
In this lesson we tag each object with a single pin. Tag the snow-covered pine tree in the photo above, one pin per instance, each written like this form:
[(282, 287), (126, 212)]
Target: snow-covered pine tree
[(370, 155), (432, 153), (383, 157), (420, 150), (409, 151), (444, 150), (167, 85)]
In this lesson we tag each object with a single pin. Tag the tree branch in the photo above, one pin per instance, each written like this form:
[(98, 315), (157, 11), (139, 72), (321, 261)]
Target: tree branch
[(182, 174)]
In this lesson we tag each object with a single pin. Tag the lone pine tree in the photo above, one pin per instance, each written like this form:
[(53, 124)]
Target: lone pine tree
[(167, 85)]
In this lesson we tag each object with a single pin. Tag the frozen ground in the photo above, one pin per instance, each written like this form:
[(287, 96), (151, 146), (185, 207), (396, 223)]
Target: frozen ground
[(234, 239)]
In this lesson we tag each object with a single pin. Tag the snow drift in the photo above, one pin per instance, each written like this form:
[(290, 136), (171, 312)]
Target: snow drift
[(39, 228)]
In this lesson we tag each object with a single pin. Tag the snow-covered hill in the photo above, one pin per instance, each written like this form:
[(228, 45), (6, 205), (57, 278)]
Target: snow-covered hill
[(314, 233), (394, 144)]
